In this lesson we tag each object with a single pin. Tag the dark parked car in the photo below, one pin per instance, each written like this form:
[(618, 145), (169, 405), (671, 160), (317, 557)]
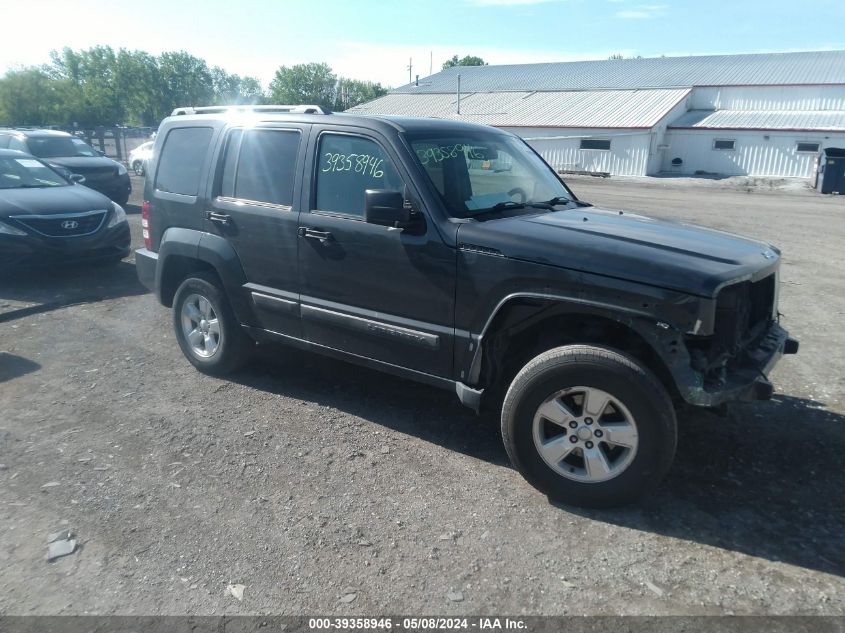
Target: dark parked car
[(67, 152), (46, 217), (453, 254)]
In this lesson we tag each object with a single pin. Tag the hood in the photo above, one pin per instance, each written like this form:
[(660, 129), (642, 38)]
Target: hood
[(83, 164), (662, 253), (70, 199)]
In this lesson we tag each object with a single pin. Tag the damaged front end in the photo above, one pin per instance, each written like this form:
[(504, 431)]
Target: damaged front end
[(744, 341)]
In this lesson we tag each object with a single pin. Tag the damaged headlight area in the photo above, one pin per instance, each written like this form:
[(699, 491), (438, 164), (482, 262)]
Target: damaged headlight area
[(744, 313)]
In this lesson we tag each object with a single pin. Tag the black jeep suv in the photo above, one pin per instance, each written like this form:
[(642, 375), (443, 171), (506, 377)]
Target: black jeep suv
[(71, 155), (453, 254)]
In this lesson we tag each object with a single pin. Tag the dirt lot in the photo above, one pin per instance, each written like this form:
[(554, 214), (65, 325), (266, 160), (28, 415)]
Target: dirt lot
[(323, 487)]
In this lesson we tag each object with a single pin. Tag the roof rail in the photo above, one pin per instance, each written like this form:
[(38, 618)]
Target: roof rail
[(293, 109)]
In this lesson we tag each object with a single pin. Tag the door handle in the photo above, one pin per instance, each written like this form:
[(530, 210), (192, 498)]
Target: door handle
[(315, 234), (220, 218)]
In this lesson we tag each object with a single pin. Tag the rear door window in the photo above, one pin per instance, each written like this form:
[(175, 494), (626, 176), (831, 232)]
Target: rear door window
[(266, 166), (182, 159)]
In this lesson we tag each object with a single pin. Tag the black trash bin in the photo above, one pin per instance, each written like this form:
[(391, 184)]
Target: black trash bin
[(833, 170)]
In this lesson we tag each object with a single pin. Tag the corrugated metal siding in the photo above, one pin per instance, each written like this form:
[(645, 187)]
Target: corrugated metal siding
[(628, 155), (762, 120), (753, 156), (581, 109), (769, 98), (655, 161), (818, 67)]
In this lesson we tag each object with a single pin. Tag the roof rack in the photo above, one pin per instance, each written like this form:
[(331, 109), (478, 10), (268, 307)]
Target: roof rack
[(292, 109)]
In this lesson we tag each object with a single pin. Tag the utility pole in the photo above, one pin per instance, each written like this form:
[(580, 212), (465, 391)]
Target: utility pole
[(459, 94), (410, 69)]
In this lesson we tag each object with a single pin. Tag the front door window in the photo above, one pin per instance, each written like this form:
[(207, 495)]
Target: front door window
[(347, 167)]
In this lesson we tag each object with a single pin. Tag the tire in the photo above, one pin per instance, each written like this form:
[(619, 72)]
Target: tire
[(227, 346), (122, 199), (640, 416)]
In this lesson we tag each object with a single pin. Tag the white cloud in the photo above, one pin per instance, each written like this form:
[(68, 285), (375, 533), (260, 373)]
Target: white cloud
[(508, 3), (642, 12)]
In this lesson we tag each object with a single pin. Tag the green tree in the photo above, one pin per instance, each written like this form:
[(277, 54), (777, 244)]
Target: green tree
[(351, 92), (468, 60), (29, 96), (234, 89), (99, 86), (136, 81), (184, 80), (91, 96), (304, 83)]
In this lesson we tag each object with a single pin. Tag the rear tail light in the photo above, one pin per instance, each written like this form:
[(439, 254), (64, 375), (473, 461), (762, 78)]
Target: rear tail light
[(145, 224)]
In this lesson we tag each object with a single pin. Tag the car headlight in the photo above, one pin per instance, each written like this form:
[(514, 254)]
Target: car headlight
[(6, 229), (118, 216), (121, 170)]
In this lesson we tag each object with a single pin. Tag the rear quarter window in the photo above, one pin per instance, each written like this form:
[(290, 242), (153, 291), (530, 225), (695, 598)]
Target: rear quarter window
[(182, 159)]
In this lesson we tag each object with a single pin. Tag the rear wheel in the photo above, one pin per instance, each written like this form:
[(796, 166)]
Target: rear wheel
[(589, 426), (206, 328), (122, 199)]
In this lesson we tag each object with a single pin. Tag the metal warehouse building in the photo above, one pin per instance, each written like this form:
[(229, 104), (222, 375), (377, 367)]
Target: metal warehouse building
[(755, 115)]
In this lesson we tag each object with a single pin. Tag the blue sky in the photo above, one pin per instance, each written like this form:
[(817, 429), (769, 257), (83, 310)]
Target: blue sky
[(374, 39)]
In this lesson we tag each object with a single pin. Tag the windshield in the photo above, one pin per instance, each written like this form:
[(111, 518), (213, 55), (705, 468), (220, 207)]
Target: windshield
[(480, 172), (21, 173), (55, 146)]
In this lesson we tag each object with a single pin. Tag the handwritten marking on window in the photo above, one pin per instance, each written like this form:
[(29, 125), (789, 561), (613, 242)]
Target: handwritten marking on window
[(365, 164), (439, 154)]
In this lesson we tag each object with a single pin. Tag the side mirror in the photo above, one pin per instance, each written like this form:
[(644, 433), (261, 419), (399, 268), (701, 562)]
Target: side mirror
[(79, 179), (386, 207), (100, 152)]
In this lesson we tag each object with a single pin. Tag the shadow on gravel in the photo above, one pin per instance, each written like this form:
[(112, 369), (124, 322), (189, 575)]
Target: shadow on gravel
[(13, 366), (59, 287), (431, 414), (766, 482)]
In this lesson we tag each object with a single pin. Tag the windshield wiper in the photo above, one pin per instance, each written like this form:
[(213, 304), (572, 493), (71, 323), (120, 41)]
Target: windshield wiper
[(563, 200), (558, 200), (510, 204)]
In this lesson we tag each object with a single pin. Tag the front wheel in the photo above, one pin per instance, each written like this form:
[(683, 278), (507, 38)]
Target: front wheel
[(589, 426), (206, 328)]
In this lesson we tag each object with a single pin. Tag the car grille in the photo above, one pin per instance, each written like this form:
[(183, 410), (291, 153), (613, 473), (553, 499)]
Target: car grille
[(98, 175), (743, 310), (63, 225)]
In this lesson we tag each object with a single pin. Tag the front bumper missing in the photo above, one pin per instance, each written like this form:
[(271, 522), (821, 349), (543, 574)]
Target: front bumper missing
[(746, 381)]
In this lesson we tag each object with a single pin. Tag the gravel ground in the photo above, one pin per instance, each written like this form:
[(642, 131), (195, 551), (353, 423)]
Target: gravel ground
[(326, 488)]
